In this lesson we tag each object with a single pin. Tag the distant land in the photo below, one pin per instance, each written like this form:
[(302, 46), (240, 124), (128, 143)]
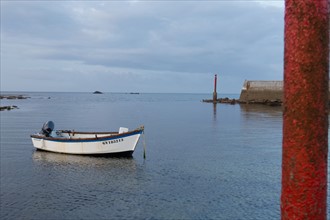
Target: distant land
[(97, 92)]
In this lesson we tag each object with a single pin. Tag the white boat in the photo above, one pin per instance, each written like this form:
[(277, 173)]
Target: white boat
[(121, 143)]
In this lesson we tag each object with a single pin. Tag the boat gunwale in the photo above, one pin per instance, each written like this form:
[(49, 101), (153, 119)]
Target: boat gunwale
[(116, 135), (88, 132)]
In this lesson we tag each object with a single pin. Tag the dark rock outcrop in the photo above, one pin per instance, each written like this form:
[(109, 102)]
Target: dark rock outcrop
[(13, 97), (3, 108)]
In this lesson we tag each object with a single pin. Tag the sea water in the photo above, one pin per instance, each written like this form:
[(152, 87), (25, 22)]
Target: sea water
[(203, 161)]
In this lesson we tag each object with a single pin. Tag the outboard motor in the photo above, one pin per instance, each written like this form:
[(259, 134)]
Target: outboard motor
[(47, 128)]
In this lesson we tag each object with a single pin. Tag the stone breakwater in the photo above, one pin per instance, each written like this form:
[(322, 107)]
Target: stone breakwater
[(258, 92)]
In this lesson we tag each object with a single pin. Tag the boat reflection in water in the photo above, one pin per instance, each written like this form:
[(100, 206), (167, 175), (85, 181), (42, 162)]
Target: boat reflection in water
[(55, 159), (84, 183)]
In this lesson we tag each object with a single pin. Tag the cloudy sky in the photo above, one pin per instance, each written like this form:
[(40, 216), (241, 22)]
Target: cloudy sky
[(140, 46)]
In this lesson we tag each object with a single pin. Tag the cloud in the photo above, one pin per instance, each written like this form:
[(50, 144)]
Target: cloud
[(162, 39)]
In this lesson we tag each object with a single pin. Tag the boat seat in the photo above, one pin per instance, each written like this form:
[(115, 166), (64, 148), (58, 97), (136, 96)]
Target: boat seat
[(122, 130)]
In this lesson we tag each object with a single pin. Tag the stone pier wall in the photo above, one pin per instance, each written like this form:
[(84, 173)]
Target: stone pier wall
[(260, 91)]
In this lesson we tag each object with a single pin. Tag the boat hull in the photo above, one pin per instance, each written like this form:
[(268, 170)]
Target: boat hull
[(127, 154), (120, 144)]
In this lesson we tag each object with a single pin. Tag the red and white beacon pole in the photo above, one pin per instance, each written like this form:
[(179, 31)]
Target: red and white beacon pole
[(215, 95)]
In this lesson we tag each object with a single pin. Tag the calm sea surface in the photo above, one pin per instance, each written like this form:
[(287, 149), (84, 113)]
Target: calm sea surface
[(203, 161)]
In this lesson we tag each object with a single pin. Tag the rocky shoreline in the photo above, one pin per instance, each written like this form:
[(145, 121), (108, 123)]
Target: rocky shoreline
[(13, 97), (227, 100), (11, 107), (222, 100)]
